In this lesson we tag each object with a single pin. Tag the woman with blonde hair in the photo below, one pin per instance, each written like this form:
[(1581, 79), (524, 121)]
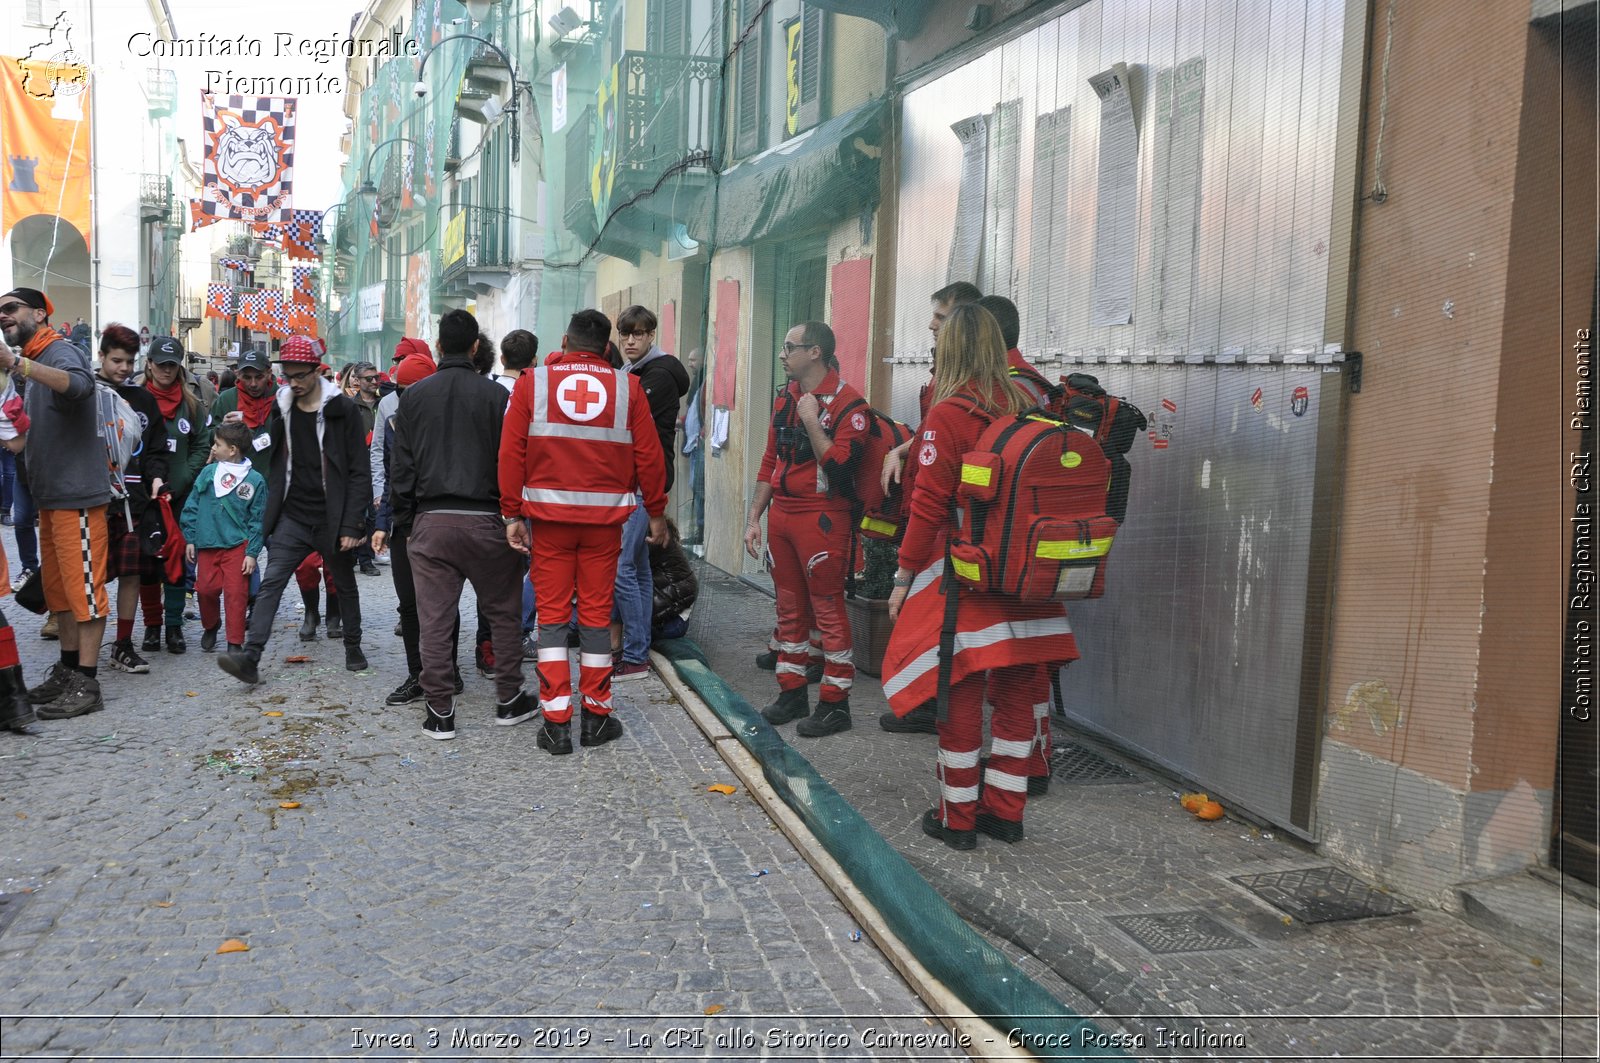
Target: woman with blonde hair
[(999, 641)]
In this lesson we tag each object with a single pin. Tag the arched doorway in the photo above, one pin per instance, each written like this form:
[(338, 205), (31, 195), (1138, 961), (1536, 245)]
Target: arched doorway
[(50, 254)]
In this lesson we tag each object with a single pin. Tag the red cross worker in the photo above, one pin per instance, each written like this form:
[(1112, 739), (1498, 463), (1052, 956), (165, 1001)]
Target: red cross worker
[(578, 451)]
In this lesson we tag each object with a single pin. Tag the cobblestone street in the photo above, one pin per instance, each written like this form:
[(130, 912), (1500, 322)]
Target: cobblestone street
[(587, 905)]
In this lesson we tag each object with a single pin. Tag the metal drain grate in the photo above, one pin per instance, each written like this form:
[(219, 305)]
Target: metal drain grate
[(1072, 763), (1166, 933), (1320, 895), (10, 905)]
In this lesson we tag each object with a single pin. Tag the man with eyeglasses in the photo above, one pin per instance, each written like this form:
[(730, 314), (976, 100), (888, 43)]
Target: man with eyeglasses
[(805, 474), (317, 495), (67, 474), (360, 381), (665, 382)]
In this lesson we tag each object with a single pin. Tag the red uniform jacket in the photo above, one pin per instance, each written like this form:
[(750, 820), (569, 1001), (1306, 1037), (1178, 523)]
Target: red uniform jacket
[(793, 473), (577, 442)]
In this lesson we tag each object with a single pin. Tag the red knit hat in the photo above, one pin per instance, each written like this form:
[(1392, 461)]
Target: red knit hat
[(409, 346), (298, 350), (415, 368)]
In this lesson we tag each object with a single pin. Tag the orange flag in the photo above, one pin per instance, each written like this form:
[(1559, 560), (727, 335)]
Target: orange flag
[(44, 170)]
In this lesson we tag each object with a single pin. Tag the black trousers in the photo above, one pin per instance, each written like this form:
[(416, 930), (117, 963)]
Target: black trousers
[(291, 542), (405, 589)]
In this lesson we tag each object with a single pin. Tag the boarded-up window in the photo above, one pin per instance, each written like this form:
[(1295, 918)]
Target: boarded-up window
[(813, 45), (749, 40)]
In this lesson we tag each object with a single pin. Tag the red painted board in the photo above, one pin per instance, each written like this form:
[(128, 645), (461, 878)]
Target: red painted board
[(725, 370), (667, 327), (852, 318)]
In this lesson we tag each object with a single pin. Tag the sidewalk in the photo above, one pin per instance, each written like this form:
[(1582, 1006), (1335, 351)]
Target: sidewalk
[(1129, 909)]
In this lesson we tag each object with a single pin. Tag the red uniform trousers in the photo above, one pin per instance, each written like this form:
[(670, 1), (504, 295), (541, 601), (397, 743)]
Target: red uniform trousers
[(217, 574), (305, 577), (810, 550), (581, 560), (1014, 692)]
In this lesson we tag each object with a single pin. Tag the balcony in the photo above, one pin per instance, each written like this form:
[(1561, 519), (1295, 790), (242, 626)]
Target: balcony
[(476, 255), (654, 129), (155, 197), (190, 313), (160, 92), (577, 208), (486, 78)]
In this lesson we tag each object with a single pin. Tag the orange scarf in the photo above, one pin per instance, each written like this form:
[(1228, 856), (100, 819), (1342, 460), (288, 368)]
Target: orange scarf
[(43, 338)]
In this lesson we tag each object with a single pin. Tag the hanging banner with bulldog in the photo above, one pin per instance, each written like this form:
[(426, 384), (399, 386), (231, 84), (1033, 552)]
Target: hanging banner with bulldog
[(248, 173)]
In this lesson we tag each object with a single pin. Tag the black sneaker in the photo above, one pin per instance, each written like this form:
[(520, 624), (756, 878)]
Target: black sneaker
[(1008, 831), (152, 640), (407, 693), (921, 720), (241, 665), (516, 710), (791, 705), (830, 718), (175, 640), (955, 839), (208, 640), (440, 725), (80, 697), (125, 659), (556, 738), (368, 568), (354, 659), (767, 662), (55, 683), (599, 728)]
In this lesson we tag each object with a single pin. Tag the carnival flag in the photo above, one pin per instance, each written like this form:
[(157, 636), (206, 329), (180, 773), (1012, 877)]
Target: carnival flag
[(301, 234), (248, 169), (44, 113), (235, 263), (251, 305), (305, 285), (275, 313), (201, 214), (219, 300)]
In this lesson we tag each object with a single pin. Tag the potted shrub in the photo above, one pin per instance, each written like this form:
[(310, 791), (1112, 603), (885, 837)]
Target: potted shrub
[(868, 606)]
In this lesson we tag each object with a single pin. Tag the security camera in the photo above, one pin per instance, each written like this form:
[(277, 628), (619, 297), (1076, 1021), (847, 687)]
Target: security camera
[(420, 88), (565, 21)]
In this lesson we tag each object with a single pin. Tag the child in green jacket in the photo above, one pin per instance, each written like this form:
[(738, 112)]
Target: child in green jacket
[(222, 523)]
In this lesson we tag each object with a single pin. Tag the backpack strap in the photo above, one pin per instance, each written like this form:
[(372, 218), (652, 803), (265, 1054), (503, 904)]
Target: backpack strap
[(947, 630)]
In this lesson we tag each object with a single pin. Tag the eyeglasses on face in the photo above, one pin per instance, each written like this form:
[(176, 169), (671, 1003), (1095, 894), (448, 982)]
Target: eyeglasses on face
[(291, 377), (637, 333), (790, 348)]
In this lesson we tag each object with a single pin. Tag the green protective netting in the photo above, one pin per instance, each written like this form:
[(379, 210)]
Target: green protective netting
[(977, 972)]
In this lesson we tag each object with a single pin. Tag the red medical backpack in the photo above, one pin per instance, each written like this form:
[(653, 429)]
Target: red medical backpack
[(1032, 512), (878, 515)]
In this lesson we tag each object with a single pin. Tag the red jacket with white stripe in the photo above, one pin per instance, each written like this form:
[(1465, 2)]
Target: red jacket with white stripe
[(814, 481), (577, 442)]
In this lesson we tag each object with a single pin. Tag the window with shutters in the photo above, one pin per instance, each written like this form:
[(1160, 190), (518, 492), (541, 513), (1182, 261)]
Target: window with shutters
[(667, 27), (813, 47), (750, 43), (33, 12)]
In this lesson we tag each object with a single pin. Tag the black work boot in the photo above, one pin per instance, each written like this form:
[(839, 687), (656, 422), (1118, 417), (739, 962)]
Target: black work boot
[(955, 839), (335, 620), (1008, 831), (791, 705), (556, 738), (308, 626), (599, 728), (175, 640), (921, 720), (767, 662), (241, 664), (16, 711), (830, 718)]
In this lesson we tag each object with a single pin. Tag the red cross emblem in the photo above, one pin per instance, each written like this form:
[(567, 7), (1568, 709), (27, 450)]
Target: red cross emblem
[(581, 397)]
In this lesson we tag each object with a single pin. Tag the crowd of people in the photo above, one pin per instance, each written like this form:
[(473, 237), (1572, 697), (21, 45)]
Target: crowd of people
[(544, 486)]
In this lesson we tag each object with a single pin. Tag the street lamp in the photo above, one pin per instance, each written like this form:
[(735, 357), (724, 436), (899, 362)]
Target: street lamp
[(478, 10), (421, 86)]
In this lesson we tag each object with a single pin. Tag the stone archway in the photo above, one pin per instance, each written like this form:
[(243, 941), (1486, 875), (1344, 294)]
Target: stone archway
[(50, 254)]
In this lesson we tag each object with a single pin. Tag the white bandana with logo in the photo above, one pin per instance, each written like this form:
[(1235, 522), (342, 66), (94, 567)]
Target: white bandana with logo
[(229, 475)]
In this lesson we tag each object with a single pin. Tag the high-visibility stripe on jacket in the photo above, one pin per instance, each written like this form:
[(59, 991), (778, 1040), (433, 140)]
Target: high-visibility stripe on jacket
[(577, 442)]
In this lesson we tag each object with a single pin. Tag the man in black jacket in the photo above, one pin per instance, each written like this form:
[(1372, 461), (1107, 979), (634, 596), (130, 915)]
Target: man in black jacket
[(665, 381), (444, 483), (317, 497)]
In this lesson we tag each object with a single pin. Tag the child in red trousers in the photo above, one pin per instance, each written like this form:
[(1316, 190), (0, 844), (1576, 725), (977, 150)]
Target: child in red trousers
[(222, 523)]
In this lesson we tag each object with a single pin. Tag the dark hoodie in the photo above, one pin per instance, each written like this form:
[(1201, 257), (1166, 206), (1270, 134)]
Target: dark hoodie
[(666, 382)]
